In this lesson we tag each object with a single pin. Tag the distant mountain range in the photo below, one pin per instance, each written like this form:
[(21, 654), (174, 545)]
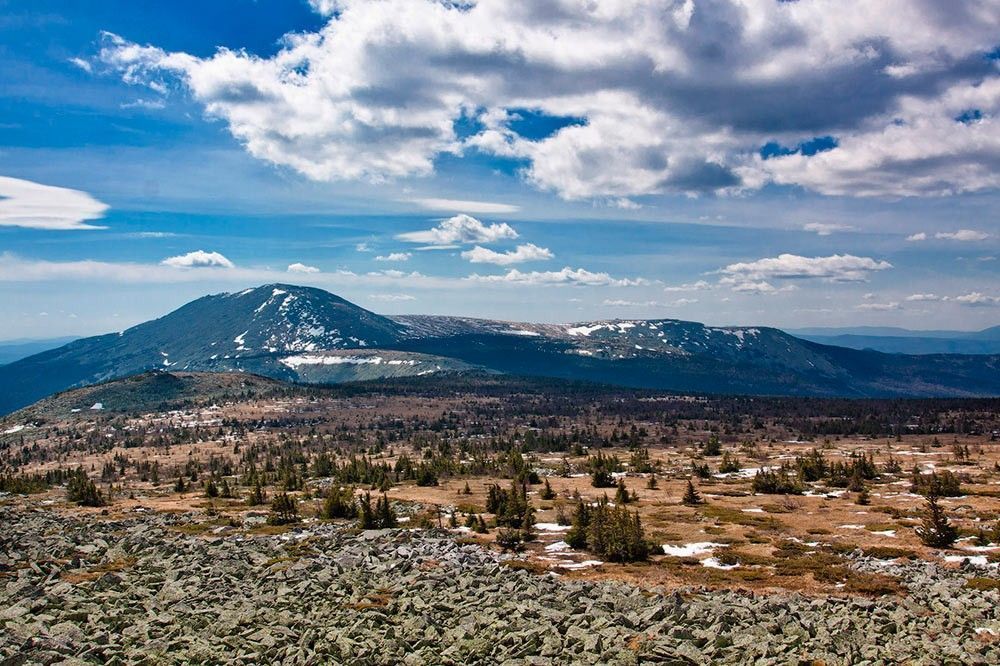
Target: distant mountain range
[(309, 335), (15, 350), (903, 341)]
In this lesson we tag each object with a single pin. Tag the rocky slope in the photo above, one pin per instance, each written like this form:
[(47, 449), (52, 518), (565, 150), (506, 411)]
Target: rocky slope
[(138, 590)]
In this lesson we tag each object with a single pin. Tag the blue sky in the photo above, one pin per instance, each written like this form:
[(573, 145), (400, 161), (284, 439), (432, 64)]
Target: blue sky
[(767, 164)]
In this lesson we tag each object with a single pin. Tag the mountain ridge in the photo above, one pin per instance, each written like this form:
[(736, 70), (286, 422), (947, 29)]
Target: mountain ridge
[(309, 335)]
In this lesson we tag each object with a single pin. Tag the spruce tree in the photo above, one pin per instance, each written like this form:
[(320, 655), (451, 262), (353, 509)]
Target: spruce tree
[(283, 510), (621, 494), (691, 496), (864, 497), (935, 529)]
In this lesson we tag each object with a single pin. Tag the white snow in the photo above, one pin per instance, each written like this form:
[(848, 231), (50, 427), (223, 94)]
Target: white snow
[(585, 330), (11, 431), (979, 560), (97, 405), (552, 527), (580, 565), (691, 549), (239, 340), (714, 563), (315, 359), (557, 547), (517, 331)]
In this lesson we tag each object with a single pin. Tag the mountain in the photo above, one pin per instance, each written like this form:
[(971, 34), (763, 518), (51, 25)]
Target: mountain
[(904, 341), (13, 350), (308, 335)]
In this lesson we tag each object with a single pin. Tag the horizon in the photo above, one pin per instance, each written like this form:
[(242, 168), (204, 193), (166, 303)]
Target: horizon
[(691, 162), (843, 330)]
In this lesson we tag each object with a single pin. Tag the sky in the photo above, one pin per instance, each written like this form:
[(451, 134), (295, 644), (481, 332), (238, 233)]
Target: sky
[(735, 162)]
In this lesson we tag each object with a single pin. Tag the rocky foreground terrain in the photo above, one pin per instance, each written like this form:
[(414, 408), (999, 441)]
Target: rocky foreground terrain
[(145, 589)]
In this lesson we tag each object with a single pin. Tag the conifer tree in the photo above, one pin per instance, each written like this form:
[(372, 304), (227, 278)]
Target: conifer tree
[(283, 510), (547, 492), (621, 494), (864, 497), (935, 529), (691, 496)]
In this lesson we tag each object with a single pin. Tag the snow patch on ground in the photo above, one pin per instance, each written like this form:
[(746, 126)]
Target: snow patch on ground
[(315, 359), (691, 549)]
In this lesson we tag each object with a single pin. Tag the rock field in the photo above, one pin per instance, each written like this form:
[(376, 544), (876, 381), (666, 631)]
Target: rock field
[(144, 590)]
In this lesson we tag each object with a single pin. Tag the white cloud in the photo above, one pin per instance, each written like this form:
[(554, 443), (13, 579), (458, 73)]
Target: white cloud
[(920, 298), (621, 303), (82, 64), (878, 307), (835, 268), (523, 253), (825, 229), (24, 203), (670, 96), (913, 238), (460, 229), (566, 276), (966, 235), (459, 205), (301, 268), (394, 256), (198, 259), (689, 286), (391, 298), (363, 247), (976, 298)]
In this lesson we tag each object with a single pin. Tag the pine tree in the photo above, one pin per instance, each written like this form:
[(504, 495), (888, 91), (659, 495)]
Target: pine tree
[(621, 494), (935, 529), (82, 490), (211, 490), (481, 527), (691, 496), (466, 490), (652, 484), (339, 503), (864, 497), (366, 515), (179, 485), (547, 492), (283, 510), (257, 496), (385, 517)]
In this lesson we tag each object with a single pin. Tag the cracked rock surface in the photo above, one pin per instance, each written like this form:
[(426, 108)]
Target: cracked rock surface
[(77, 590)]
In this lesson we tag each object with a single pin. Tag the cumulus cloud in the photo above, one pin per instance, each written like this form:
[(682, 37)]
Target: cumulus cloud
[(461, 205), (394, 256), (521, 254), (24, 203), (458, 230), (198, 259), (566, 276), (302, 268), (966, 235), (920, 236), (835, 268), (689, 286), (825, 229), (921, 298), (665, 95), (976, 298)]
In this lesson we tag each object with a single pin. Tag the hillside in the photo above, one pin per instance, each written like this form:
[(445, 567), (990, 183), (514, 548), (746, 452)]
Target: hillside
[(304, 334)]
